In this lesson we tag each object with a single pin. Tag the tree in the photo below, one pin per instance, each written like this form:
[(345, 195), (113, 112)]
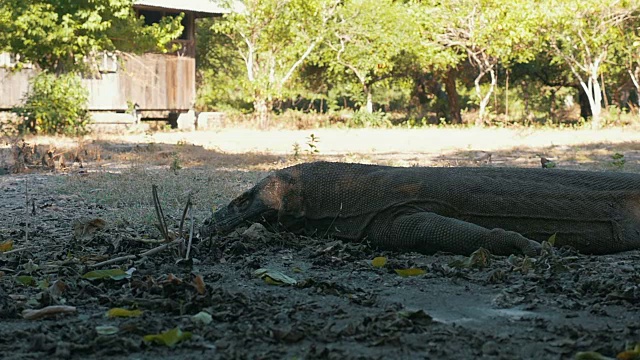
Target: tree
[(273, 38), (63, 36), (581, 34), (489, 32), (366, 37)]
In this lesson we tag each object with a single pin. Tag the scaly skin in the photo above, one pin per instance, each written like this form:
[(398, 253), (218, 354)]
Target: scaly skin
[(457, 210)]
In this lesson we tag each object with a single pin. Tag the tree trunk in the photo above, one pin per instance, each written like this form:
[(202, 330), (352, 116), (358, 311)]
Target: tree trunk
[(261, 107), (594, 95), (585, 106), (369, 104), (452, 96), (484, 101)]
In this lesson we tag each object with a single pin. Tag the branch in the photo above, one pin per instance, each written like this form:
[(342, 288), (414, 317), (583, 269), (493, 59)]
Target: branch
[(299, 61)]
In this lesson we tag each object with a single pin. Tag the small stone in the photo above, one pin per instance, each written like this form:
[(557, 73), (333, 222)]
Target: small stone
[(255, 231), (490, 348)]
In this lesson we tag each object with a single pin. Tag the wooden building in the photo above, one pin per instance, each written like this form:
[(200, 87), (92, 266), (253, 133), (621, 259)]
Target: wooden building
[(162, 85)]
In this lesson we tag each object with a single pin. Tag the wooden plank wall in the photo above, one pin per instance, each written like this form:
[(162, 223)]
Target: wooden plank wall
[(13, 85), (153, 81)]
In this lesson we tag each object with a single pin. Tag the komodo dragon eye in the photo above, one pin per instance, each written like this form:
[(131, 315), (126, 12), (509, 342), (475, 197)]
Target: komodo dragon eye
[(241, 203)]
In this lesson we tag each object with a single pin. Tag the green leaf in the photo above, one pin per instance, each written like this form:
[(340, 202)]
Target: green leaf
[(552, 239), (114, 274), (169, 337), (26, 280)]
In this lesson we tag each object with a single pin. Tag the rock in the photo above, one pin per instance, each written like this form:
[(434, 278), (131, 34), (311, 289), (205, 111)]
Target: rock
[(210, 120), (255, 231), (187, 121)]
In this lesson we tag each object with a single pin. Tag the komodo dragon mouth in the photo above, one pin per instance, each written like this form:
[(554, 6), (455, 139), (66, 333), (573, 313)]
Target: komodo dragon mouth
[(456, 210), (246, 208), (261, 203)]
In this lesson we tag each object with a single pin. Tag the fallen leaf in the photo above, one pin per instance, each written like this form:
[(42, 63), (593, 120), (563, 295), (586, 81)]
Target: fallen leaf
[(31, 314), (409, 272), (26, 280), (169, 337), (114, 274), (202, 318), (172, 279), (107, 330), (418, 317), (199, 284), (6, 246), (379, 261), (84, 228), (120, 312), (479, 258), (633, 354), (56, 289), (30, 267), (590, 355), (273, 277), (552, 239)]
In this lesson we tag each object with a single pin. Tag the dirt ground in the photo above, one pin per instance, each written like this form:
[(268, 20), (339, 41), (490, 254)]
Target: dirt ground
[(93, 210)]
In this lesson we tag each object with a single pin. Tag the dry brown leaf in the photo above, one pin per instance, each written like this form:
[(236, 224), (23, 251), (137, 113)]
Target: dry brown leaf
[(198, 283), (86, 228), (31, 314), (6, 246)]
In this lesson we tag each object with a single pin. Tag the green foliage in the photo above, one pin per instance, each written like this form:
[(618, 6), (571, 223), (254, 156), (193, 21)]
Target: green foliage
[(366, 119), (54, 105), (62, 36), (359, 45), (223, 81), (311, 149), (330, 55), (273, 39), (618, 161)]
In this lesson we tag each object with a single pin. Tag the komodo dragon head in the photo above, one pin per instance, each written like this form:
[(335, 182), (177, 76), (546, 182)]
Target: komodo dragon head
[(268, 202)]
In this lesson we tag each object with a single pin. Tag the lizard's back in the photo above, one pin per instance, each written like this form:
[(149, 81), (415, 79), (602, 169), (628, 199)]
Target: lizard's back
[(596, 212)]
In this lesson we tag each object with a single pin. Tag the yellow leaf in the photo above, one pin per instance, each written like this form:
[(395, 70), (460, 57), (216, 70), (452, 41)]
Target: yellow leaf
[(120, 312), (273, 277), (6, 246), (629, 355), (409, 272), (169, 337), (552, 239), (379, 261), (589, 355)]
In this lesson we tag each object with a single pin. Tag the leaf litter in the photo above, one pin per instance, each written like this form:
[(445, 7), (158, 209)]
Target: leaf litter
[(342, 304)]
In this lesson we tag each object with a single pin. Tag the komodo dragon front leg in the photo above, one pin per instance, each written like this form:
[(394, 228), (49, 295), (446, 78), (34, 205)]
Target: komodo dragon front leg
[(428, 232)]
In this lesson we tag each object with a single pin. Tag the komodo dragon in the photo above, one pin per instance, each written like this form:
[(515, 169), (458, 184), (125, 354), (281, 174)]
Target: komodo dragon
[(456, 210)]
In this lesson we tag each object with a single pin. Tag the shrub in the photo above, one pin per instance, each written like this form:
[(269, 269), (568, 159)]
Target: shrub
[(54, 105), (364, 119)]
